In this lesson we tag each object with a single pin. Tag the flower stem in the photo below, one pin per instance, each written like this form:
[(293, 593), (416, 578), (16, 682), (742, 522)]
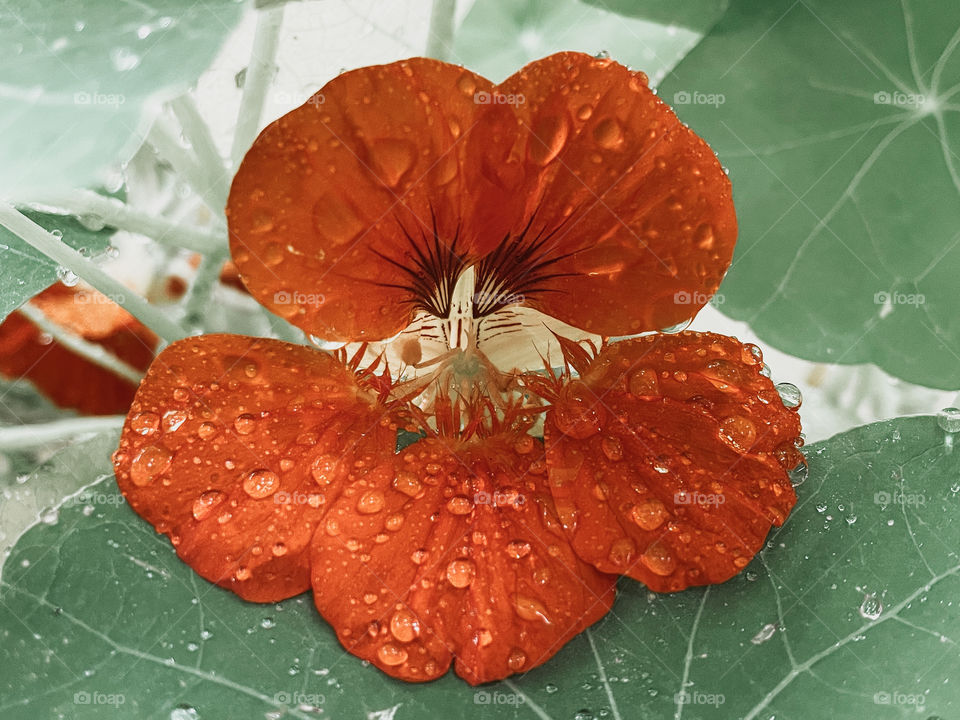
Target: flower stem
[(64, 255), (123, 217), (440, 34), (185, 165), (204, 282), (197, 132), (96, 354), (26, 436), (259, 74)]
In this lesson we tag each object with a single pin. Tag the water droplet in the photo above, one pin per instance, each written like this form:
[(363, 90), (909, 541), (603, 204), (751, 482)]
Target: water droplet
[(649, 515), (551, 688), (871, 608), (404, 626), (790, 395), (204, 505), (261, 483), (612, 447), (530, 609), (518, 549), (392, 159), (243, 573), (145, 423), (704, 238), (678, 328), (766, 632), (279, 549), (394, 522), (949, 419), (523, 445), (608, 133), (267, 623), (547, 138), (738, 431), (643, 383), (407, 483), (370, 502), (578, 413), (67, 277), (324, 469), (460, 573), (516, 659), (206, 430), (799, 474), (244, 424), (622, 551), (392, 655), (151, 462), (124, 59), (658, 559)]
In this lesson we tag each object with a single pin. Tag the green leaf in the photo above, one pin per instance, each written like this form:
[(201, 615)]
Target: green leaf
[(699, 15), (840, 127), (77, 79), (24, 271), (853, 598), (498, 37)]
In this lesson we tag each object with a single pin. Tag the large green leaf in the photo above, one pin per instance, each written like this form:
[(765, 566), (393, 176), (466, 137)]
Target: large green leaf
[(698, 15), (852, 603), (498, 37), (839, 123), (24, 271), (77, 75)]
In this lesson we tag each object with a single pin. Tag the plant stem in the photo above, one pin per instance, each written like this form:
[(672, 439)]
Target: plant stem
[(20, 437), (205, 280), (259, 74), (96, 354), (198, 134), (65, 256), (185, 165), (440, 34), (123, 217)]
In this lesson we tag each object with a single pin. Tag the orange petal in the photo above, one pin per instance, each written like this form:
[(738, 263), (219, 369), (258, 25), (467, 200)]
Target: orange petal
[(338, 201), (636, 208), (668, 460), (234, 447), (453, 551), (70, 380)]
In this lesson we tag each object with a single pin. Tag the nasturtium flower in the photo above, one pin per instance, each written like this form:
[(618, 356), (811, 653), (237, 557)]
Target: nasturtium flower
[(468, 250), (66, 378)]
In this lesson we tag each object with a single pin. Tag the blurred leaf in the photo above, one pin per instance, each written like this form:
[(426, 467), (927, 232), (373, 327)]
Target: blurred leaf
[(853, 598), (25, 272), (78, 76), (697, 15), (498, 37), (839, 123)]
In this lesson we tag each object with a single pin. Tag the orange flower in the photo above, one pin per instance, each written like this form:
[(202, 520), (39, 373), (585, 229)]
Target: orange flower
[(68, 379), (461, 228)]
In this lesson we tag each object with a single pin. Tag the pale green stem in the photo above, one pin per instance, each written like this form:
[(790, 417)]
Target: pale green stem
[(208, 273), (440, 34), (258, 77), (197, 132), (20, 437), (97, 354), (65, 256), (123, 217), (185, 165)]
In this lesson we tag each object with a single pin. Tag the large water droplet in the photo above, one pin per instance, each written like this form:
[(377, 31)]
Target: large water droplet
[(392, 159), (578, 413), (949, 419), (460, 573), (516, 659), (608, 133), (261, 483), (547, 138), (643, 382), (529, 608), (658, 559), (391, 654), (145, 423), (204, 505), (738, 431), (649, 515), (518, 549), (790, 395), (404, 626), (151, 462), (765, 633), (370, 502), (124, 59), (872, 607), (244, 424)]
